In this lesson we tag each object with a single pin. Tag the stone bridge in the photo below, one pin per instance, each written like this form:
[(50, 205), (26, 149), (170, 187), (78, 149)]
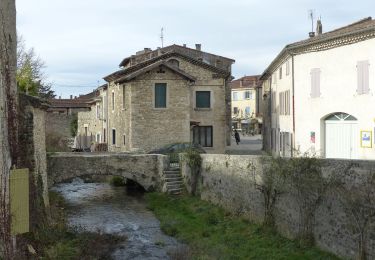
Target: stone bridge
[(146, 170)]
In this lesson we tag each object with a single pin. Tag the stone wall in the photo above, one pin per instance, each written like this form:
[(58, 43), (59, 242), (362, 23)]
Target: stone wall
[(229, 181), (147, 170), (59, 124)]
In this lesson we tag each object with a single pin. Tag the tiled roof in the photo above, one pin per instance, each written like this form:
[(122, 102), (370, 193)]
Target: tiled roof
[(69, 103), (245, 82), (338, 37)]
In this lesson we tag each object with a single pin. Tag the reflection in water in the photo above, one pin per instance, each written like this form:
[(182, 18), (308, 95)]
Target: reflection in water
[(101, 207)]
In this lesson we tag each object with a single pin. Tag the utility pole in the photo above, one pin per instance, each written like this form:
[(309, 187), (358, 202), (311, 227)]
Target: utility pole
[(8, 118)]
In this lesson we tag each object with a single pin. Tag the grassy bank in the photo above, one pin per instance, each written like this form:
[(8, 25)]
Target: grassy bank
[(56, 241), (212, 233)]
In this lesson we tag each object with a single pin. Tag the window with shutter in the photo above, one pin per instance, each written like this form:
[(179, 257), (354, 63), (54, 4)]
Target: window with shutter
[(203, 99), (315, 82), (363, 77), (160, 95)]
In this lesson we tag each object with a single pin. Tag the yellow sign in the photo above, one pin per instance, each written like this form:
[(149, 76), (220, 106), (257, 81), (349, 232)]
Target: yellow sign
[(19, 201)]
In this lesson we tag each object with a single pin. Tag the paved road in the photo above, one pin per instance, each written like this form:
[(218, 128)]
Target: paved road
[(248, 145)]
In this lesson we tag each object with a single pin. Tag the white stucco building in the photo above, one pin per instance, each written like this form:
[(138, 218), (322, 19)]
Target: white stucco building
[(322, 95)]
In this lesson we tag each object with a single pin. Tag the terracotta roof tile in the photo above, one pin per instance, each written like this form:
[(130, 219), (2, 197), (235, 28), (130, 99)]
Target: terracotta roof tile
[(245, 82)]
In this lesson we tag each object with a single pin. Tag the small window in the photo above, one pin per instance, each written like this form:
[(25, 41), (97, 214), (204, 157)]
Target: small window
[(247, 111), (113, 136), (203, 99), (174, 62), (280, 72), (98, 138), (247, 94), (124, 139), (104, 136), (363, 77), (315, 82), (160, 95), (287, 68), (235, 110), (98, 111), (113, 101), (123, 97), (235, 96), (203, 136)]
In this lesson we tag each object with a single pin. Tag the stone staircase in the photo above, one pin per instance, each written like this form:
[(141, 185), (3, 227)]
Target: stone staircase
[(173, 180)]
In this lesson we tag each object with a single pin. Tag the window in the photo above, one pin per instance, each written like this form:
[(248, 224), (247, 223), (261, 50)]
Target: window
[(203, 135), (247, 111), (203, 99), (235, 110), (98, 138), (287, 68), (160, 95), (284, 102), (113, 101), (104, 136), (280, 72), (363, 77), (123, 97), (315, 82), (124, 139), (98, 111), (235, 96), (113, 136), (174, 62), (247, 94)]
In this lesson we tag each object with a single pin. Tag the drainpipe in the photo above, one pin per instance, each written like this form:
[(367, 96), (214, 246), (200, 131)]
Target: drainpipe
[(293, 108)]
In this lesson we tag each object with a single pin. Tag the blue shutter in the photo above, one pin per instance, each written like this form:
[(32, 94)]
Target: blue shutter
[(203, 99), (160, 95)]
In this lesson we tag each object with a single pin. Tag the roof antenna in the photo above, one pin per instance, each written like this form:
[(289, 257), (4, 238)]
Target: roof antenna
[(162, 37), (311, 16)]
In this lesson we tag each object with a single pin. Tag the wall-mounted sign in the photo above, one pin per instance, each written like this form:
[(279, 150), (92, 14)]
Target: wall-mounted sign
[(366, 139), (312, 137)]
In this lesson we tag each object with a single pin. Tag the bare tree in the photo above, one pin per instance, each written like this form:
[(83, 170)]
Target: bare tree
[(8, 116)]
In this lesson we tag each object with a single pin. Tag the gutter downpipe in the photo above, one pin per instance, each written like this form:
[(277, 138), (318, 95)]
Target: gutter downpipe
[(293, 108)]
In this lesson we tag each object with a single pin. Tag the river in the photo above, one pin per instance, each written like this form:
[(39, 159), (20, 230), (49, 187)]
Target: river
[(114, 210)]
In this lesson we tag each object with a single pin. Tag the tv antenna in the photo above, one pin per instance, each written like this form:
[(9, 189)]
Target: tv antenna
[(311, 16), (162, 36)]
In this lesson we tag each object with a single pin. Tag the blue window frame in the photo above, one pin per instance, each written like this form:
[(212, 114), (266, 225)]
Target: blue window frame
[(160, 95)]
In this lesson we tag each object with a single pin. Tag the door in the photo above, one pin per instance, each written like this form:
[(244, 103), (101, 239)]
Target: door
[(341, 136)]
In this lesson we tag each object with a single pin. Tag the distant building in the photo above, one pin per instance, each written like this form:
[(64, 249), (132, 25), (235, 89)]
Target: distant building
[(245, 115), (320, 94), (168, 95)]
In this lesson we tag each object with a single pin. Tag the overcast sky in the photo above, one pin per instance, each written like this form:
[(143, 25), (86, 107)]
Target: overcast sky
[(81, 41)]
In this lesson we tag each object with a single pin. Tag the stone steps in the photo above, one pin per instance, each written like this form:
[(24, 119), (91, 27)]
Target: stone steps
[(173, 181)]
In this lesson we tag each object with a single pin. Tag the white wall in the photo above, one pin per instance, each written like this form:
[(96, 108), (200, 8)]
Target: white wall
[(338, 85)]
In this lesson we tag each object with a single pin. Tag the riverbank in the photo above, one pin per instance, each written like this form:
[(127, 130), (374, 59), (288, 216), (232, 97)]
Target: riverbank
[(212, 233), (55, 240)]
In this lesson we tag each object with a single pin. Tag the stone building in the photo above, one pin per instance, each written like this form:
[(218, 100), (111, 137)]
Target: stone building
[(321, 94), (168, 95), (245, 115)]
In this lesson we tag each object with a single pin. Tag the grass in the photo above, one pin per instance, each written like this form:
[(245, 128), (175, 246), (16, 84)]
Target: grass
[(212, 233), (55, 240)]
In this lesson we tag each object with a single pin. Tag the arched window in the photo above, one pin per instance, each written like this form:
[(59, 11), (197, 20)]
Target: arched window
[(340, 117), (174, 62)]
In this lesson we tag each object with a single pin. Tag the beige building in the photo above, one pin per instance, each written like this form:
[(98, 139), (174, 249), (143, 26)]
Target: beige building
[(172, 94), (245, 113), (321, 94)]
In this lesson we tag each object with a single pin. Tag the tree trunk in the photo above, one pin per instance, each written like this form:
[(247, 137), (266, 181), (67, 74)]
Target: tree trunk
[(8, 116)]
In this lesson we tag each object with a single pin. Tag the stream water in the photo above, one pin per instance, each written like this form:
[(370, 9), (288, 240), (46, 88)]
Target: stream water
[(115, 210)]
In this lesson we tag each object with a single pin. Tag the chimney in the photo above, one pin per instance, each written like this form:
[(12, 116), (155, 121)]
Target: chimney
[(319, 27), (59, 97), (311, 34), (71, 96), (184, 45), (198, 46)]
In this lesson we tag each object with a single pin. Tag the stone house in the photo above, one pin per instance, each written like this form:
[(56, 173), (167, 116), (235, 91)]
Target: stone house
[(321, 94), (168, 95), (245, 101)]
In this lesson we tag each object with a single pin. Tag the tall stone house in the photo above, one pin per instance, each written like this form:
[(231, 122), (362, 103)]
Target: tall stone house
[(320, 94), (157, 97), (245, 103)]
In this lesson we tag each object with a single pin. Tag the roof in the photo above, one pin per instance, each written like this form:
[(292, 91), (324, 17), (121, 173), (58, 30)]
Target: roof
[(245, 82), (69, 103), (120, 73), (348, 34), (161, 63), (147, 53)]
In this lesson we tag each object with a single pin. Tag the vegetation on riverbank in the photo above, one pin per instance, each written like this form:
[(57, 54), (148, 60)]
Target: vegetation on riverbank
[(212, 233), (56, 241)]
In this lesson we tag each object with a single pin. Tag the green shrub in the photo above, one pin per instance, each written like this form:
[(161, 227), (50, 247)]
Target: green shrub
[(118, 181)]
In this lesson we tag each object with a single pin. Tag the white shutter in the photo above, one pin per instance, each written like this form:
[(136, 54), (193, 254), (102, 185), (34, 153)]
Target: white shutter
[(363, 77), (315, 82)]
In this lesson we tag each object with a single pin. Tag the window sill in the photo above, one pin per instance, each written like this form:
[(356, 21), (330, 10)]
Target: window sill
[(202, 109)]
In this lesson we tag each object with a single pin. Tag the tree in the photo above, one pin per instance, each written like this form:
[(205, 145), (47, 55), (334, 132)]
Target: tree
[(8, 117), (30, 76)]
